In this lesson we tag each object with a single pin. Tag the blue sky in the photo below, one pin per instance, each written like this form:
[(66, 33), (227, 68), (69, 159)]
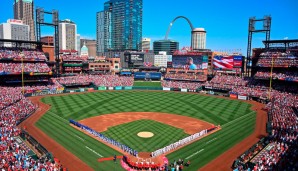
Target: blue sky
[(226, 22)]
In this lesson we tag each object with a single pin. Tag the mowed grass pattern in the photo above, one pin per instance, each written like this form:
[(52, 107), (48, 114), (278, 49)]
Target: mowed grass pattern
[(236, 118), (147, 84), (163, 134)]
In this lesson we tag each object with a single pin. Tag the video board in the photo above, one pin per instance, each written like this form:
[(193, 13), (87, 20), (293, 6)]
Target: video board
[(189, 62)]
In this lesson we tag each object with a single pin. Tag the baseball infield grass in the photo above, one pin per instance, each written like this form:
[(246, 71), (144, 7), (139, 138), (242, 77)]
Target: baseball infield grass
[(235, 117), (123, 133)]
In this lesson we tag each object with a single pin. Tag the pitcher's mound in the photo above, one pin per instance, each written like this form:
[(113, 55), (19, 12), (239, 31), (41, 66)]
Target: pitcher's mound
[(145, 134)]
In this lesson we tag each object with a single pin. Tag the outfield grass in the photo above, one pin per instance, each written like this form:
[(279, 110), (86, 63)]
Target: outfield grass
[(147, 84), (123, 133), (236, 118)]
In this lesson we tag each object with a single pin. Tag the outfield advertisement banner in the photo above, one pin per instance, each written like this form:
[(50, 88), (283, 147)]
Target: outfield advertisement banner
[(242, 97), (183, 90), (127, 88), (82, 90), (118, 88), (44, 92), (166, 89), (111, 88), (233, 96), (101, 88)]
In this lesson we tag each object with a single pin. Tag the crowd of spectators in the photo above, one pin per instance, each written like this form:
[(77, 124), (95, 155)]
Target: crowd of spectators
[(72, 69), (98, 80), (7, 97), (28, 67), (265, 62), (283, 153), (186, 76), (181, 85), (13, 154), (226, 82), (12, 53), (286, 75)]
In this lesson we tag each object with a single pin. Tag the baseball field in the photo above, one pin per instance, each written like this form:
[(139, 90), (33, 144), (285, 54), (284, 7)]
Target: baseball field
[(236, 118)]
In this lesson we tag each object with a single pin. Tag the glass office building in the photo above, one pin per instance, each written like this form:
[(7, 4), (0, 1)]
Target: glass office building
[(169, 46), (120, 25)]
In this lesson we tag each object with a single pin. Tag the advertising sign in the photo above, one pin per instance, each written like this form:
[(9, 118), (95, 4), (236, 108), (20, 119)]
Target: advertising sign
[(134, 57), (183, 90), (127, 88), (233, 96), (101, 88), (242, 97), (237, 61), (118, 88), (166, 89)]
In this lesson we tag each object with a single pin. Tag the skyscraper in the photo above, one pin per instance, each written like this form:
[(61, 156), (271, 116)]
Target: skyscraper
[(146, 44), (198, 39), (14, 30), (119, 26), (24, 10), (68, 35), (169, 46)]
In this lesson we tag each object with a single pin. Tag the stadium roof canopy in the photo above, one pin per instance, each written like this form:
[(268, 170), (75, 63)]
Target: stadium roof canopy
[(281, 41), (20, 41)]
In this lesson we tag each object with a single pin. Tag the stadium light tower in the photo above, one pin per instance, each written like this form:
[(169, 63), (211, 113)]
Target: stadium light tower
[(55, 23), (251, 29)]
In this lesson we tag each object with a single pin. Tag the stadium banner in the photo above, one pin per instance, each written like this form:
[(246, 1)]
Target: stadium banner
[(166, 89), (183, 90), (223, 62), (90, 89), (44, 92), (240, 97), (118, 88), (237, 61), (233, 96), (101, 88), (208, 87), (191, 90), (176, 89), (127, 88), (111, 88), (139, 75), (155, 75), (71, 91), (82, 90)]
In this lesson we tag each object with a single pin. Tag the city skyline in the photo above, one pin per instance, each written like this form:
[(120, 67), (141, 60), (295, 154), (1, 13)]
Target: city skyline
[(226, 23)]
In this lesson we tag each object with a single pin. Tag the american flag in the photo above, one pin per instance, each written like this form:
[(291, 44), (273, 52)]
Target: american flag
[(223, 62)]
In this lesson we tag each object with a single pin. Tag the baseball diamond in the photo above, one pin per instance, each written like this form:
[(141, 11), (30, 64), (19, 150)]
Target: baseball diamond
[(236, 118)]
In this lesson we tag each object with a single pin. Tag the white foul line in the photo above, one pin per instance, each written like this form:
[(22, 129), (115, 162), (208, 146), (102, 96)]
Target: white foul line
[(194, 154), (211, 140), (79, 137), (93, 151)]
